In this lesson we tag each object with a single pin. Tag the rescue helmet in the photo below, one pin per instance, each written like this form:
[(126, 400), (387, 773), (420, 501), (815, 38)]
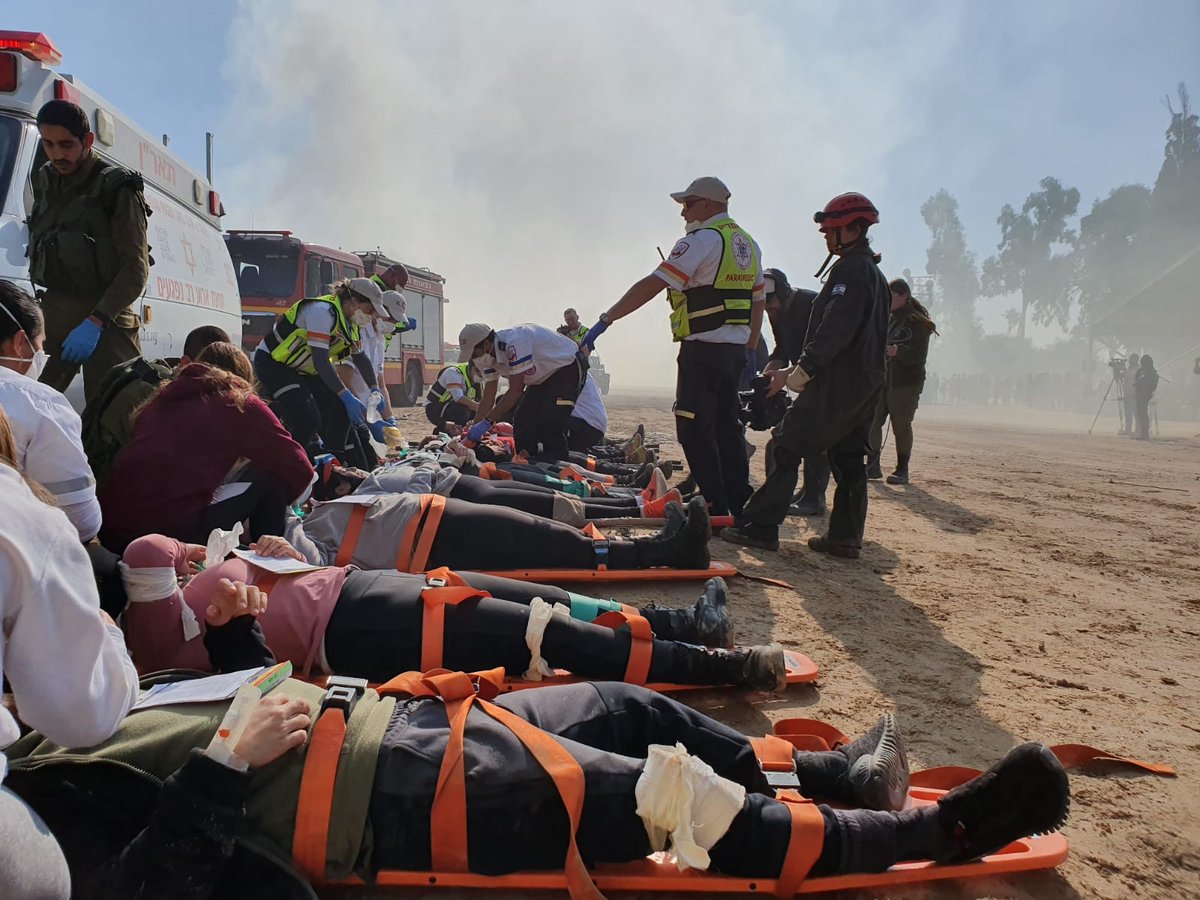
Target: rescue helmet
[(395, 277), (846, 209)]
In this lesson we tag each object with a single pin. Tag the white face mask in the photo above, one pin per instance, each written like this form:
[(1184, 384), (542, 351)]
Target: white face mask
[(37, 363), (360, 318), (689, 227), (484, 362)]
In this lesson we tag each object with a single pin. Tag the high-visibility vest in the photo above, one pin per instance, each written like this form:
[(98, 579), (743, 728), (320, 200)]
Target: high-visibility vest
[(727, 300), (288, 342), (577, 335), (439, 393)]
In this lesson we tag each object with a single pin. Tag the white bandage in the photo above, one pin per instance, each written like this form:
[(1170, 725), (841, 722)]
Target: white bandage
[(540, 614), (680, 797), (221, 544), (797, 379), (156, 583)]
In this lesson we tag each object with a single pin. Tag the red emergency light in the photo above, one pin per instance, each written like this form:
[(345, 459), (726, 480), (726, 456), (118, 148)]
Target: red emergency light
[(214, 204), (64, 91), (8, 73), (32, 45)]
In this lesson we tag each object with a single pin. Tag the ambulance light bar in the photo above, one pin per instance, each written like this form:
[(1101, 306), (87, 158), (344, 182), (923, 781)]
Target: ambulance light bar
[(32, 45)]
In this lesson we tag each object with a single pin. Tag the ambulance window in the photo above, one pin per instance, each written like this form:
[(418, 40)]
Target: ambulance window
[(312, 276), (10, 145)]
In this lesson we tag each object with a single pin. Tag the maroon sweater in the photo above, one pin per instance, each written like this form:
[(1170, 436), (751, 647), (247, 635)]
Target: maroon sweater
[(183, 445)]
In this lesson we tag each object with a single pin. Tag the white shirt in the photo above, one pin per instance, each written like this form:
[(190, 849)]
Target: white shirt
[(693, 262), (371, 341), (532, 351), (453, 381), (590, 405), (49, 436), (70, 672)]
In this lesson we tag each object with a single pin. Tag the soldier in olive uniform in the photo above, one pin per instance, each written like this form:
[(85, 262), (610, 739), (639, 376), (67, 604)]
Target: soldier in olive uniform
[(87, 251)]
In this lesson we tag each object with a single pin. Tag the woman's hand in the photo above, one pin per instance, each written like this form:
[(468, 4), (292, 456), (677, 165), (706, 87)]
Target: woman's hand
[(277, 725), (276, 548), (194, 561), (232, 599)]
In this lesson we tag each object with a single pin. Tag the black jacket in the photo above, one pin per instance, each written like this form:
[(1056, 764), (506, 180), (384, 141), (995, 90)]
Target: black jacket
[(792, 327), (908, 332)]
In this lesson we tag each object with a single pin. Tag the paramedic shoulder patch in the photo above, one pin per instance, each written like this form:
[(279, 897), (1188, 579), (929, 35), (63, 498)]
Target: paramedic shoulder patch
[(838, 290)]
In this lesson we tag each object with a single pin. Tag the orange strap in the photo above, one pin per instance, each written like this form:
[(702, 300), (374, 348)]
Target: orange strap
[(774, 753), (591, 464), (354, 527), (641, 643), (429, 530), (433, 619), (315, 800), (804, 845)]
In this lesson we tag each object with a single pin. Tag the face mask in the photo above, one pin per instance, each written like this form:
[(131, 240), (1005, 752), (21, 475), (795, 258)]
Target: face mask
[(37, 363), (360, 318), (484, 362), (689, 227)]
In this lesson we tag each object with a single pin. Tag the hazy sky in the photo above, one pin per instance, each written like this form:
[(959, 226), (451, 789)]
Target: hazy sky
[(525, 149)]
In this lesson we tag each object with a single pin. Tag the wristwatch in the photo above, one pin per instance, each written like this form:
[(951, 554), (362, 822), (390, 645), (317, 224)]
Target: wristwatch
[(604, 319)]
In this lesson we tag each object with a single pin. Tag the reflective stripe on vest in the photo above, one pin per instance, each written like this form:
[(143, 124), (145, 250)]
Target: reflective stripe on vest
[(728, 299), (439, 393), (577, 335), (288, 342)]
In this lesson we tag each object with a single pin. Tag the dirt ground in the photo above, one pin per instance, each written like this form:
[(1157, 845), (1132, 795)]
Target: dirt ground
[(1032, 583)]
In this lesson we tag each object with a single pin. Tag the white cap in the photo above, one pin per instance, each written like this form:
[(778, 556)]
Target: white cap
[(470, 337), (706, 188), (396, 305), (369, 290)]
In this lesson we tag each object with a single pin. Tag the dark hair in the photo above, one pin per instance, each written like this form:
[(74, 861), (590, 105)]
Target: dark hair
[(900, 286), (24, 314), (65, 114), (199, 338), (1147, 361)]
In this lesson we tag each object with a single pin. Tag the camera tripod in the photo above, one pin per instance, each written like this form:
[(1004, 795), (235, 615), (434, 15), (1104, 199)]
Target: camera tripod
[(1118, 379)]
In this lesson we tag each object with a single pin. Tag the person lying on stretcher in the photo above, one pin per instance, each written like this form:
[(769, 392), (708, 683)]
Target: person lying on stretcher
[(148, 814), (369, 623)]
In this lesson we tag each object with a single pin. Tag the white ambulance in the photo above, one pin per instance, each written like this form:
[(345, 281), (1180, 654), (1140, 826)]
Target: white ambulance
[(192, 281)]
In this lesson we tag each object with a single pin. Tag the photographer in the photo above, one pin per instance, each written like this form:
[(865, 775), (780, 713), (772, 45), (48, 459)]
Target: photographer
[(788, 310), (1145, 383), (1127, 373)]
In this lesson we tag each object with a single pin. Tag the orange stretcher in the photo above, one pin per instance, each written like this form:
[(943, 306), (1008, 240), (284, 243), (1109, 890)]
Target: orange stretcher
[(448, 817)]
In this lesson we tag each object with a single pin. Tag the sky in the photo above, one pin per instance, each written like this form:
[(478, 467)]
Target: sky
[(525, 149)]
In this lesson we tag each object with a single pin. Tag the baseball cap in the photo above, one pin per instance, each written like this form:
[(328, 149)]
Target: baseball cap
[(706, 188), (470, 338), (369, 290), (396, 305)]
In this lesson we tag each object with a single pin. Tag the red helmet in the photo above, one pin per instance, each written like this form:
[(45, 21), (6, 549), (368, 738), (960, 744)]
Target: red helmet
[(396, 277), (845, 209)]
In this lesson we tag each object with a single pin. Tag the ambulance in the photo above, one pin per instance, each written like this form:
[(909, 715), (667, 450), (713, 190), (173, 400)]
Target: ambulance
[(191, 280)]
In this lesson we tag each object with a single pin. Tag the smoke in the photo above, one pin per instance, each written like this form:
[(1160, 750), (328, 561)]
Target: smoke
[(525, 149)]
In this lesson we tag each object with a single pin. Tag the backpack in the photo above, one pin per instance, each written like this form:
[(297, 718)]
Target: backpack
[(108, 418)]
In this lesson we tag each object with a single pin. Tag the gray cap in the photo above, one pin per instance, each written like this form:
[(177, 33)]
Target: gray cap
[(707, 188), (369, 290), (470, 337)]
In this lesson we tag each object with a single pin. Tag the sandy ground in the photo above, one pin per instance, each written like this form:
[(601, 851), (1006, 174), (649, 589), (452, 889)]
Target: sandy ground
[(1033, 583)]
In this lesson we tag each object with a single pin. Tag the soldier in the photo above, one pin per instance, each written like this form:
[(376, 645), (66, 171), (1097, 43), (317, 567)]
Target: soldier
[(87, 250)]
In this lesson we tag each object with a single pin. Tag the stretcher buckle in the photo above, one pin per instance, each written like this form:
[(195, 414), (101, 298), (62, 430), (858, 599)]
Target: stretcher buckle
[(342, 692), (783, 780)]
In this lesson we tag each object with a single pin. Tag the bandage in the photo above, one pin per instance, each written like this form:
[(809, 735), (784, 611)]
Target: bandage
[(221, 544), (568, 510), (540, 614), (680, 798), (797, 379), (156, 583)]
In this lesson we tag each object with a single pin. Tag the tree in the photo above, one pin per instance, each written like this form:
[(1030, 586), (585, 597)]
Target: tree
[(952, 265), (1027, 263), (1110, 262), (1176, 198)]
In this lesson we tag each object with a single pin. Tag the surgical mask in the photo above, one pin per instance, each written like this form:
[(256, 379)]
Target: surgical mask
[(689, 227), (37, 363), (360, 318), (484, 361)]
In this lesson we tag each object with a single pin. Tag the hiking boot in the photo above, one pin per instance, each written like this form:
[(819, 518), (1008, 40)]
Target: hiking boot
[(878, 766), (900, 476), (639, 479), (688, 485), (706, 623), (804, 507), (874, 472), (683, 548), (1026, 793), (764, 668), (666, 466), (657, 509), (761, 537), (834, 548)]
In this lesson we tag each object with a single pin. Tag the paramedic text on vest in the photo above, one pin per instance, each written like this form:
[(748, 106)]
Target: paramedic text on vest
[(87, 251), (715, 286)]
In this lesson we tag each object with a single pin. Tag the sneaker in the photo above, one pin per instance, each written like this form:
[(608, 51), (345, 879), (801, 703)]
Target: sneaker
[(1024, 794), (900, 476), (657, 509), (833, 548), (765, 669), (761, 537), (878, 772)]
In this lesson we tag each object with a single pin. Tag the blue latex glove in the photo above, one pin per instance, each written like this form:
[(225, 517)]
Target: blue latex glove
[(478, 430), (381, 406), (412, 324), (594, 332), (355, 408), (81, 342), (377, 430)]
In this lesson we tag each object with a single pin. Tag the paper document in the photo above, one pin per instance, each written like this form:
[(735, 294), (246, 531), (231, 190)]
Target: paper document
[(286, 566), (213, 688), (354, 499)]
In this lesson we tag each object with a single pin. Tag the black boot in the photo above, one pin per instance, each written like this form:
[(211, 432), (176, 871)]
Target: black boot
[(900, 476), (706, 623), (834, 548), (757, 668), (686, 548), (870, 773), (688, 485), (640, 479), (802, 506), (874, 472)]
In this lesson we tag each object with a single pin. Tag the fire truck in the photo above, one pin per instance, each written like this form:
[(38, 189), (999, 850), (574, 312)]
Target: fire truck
[(275, 269)]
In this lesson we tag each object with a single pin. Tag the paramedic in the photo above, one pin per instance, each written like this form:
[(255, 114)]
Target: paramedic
[(572, 327), (453, 397)]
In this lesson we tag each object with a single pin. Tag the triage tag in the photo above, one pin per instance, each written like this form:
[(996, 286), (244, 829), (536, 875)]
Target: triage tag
[(229, 732)]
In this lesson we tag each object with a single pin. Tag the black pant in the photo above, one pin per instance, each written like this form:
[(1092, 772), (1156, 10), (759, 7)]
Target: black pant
[(582, 437), (263, 506), (542, 415), (515, 818), (450, 411), (309, 410), (816, 478), (706, 422), (1143, 416), (375, 633), (538, 501)]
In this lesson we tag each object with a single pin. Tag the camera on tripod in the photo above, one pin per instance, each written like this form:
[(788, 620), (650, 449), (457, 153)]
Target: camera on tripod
[(760, 412), (1118, 366)]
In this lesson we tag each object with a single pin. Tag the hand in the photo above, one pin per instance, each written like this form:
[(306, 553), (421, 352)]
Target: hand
[(276, 547), (277, 724), (411, 323), (778, 380), (356, 410), (81, 342), (892, 350), (594, 332), (377, 429), (195, 558), (798, 379), (478, 430), (232, 599), (381, 403)]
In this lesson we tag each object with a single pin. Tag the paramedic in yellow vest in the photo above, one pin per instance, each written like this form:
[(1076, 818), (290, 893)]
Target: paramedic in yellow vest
[(395, 278), (573, 328), (714, 283), (295, 365), (454, 397), (87, 251)]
